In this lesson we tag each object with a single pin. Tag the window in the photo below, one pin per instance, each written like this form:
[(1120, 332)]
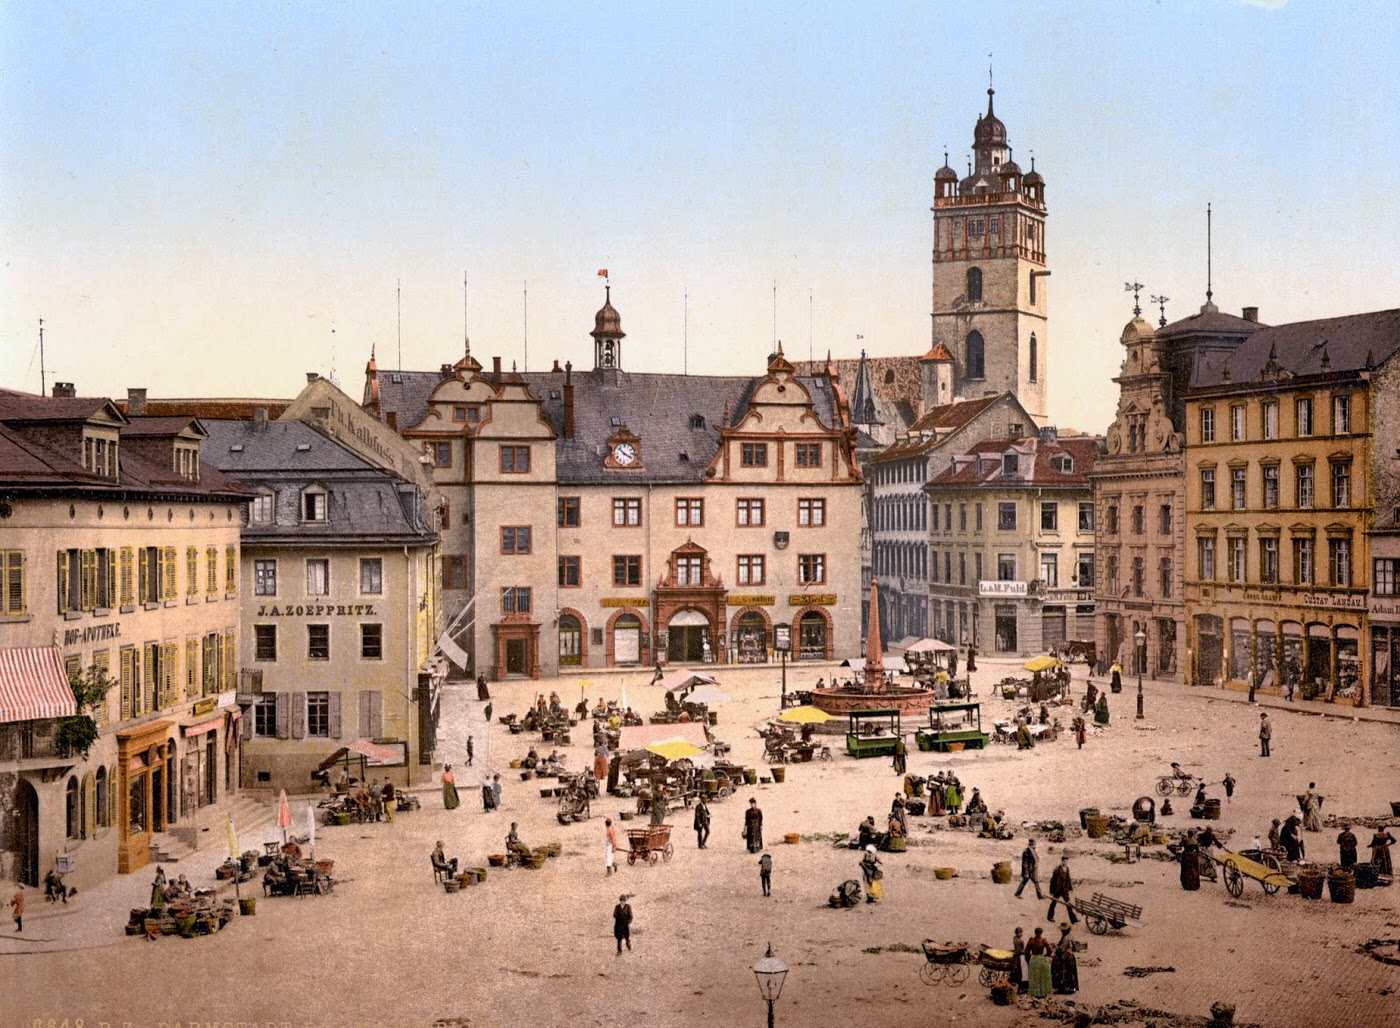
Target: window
[(1302, 561), (1034, 276), (1205, 559), (1341, 483), (751, 569), (1139, 576), (690, 511), (1006, 517), (1113, 519), (1304, 416), (459, 414), (811, 512), (515, 540), (265, 578), (753, 455), (977, 566), (809, 455), (230, 570), (12, 567), (974, 354), (1384, 574), (371, 642), (1034, 355), (935, 517), (1139, 519), (441, 453), (371, 576), (1049, 517), (515, 460), (1237, 423), (264, 642), (1268, 560), (261, 509), (962, 517), (689, 570), (1237, 566), (1237, 488), (313, 506), (516, 600), (811, 568), (1339, 560), (1050, 570), (1341, 415), (1086, 517), (567, 514), (1304, 485), (318, 577), (1086, 571), (318, 714), (265, 715), (1270, 410), (318, 642), (1208, 489), (128, 561), (1164, 577), (1006, 567), (977, 511), (1207, 424), (570, 572), (750, 513), (1111, 572), (1010, 464), (627, 570), (974, 285), (1271, 486), (627, 512), (962, 568), (454, 572), (975, 226), (1164, 519)]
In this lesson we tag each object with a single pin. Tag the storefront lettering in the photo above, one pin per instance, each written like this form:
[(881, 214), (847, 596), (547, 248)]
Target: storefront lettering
[(1331, 600), (92, 634), (751, 600), (624, 601), (316, 610), (999, 588), (812, 600)]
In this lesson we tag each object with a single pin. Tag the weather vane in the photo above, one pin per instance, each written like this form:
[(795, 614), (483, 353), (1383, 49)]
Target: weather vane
[(1161, 302), (1134, 288)]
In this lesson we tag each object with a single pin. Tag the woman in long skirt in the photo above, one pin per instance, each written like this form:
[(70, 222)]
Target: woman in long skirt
[(450, 799), (1190, 862), (874, 877), (1038, 958), (1064, 967), (1019, 975), (1380, 850), (953, 797)]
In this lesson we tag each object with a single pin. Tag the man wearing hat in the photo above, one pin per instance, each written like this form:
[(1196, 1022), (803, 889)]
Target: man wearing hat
[(1266, 732), (622, 923), (1030, 870), (1061, 886)]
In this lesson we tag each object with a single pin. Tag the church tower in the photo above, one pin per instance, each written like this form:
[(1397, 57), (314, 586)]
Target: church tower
[(989, 302), (607, 336)]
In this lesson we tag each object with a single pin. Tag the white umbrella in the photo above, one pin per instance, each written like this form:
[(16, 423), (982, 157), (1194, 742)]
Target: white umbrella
[(705, 694), (311, 824)]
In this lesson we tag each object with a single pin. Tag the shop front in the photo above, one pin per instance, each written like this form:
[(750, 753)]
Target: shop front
[(1210, 649), (688, 638), (750, 637), (691, 609), (145, 790), (1005, 627)]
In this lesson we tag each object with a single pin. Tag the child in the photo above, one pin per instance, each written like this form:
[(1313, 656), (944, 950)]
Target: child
[(765, 873), (17, 906), (1229, 784)]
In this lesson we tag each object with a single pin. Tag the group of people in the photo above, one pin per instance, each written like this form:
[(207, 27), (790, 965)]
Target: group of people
[(1040, 967)]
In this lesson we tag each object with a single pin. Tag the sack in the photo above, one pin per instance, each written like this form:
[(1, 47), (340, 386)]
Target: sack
[(876, 890)]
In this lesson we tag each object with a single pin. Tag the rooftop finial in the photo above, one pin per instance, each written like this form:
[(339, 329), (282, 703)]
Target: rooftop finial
[(1161, 302), (1209, 307), (1134, 288)]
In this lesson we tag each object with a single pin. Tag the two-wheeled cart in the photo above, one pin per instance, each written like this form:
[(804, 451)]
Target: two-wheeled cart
[(650, 844)]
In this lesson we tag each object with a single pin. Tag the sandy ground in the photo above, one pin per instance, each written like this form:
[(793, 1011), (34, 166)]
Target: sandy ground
[(535, 947)]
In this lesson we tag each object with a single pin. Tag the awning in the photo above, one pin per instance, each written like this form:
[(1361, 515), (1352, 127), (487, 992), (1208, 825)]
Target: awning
[(364, 748), (203, 726), (33, 685), (639, 737), (684, 679)]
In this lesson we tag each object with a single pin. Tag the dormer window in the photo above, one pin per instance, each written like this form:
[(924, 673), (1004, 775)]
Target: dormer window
[(313, 505), (100, 455), (1010, 463), (1065, 464), (260, 509), (697, 421), (187, 462)]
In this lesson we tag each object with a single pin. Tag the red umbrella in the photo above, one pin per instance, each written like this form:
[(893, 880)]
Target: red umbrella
[(284, 815)]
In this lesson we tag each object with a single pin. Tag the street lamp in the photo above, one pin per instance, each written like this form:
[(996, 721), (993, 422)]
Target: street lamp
[(1141, 638), (782, 642), (770, 972)]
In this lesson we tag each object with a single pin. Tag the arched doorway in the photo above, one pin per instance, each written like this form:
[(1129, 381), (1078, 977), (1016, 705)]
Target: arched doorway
[(627, 639), (688, 638), (27, 833), (751, 637), (1317, 676), (570, 641), (813, 636)]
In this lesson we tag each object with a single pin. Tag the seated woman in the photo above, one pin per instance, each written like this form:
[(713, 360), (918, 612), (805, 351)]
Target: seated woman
[(291, 850), (441, 861), (976, 805), (866, 833), (514, 845), (532, 759)]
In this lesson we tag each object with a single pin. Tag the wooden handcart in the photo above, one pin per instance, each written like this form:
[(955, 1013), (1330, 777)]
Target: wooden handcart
[(1266, 871), (650, 844), (944, 962), (1102, 912)]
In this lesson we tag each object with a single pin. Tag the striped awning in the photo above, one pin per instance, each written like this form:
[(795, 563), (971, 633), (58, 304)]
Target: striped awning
[(33, 685)]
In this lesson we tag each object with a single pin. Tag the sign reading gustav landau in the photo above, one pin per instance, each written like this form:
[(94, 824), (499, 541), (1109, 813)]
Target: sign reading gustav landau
[(1333, 600), (996, 588)]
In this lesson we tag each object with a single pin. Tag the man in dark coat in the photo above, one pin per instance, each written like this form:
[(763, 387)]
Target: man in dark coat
[(1061, 888), (1346, 843), (1030, 870), (622, 923), (702, 822), (753, 827)]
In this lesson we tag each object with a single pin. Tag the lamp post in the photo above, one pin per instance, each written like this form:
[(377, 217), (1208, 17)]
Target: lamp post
[(782, 642), (1141, 639), (770, 972)]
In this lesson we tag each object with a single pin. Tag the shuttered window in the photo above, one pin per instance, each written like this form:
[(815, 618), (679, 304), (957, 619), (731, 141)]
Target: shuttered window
[(128, 560), (192, 667), (298, 715), (284, 715), (371, 714)]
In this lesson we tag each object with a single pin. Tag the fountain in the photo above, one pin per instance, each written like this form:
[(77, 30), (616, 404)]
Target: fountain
[(875, 693)]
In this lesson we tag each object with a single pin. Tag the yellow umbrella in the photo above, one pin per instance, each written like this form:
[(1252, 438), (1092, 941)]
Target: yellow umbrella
[(1041, 664), (675, 749), (805, 716)]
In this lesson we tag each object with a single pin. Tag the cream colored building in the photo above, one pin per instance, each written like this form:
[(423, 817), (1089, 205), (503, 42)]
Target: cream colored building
[(120, 551)]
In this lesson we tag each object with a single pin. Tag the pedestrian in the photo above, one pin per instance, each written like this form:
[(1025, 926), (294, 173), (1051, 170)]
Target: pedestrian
[(609, 846), (450, 799), (483, 693), (1251, 687), (702, 822), (765, 874), (1062, 891), (657, 675), (1266, 732), (622, 923), (1030, 870), (753, 827), (874, 877), (487, 713), (1116, 677), (971, 658), (486, 795), (1380, 851), (1064, 966), (900, 755), (1276, 835), (1020, 977), (388, 793), (1038, 958), (1312, 803), (471, 751), (158, 888), (1190, 862), (1081, 731), (495, 792), (1229, 784), (952, 798), (17, 910), (1292, 838), (1346, 844)]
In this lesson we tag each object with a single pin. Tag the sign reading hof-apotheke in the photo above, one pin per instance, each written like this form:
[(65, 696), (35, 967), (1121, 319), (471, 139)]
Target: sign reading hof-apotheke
[(998, 588)]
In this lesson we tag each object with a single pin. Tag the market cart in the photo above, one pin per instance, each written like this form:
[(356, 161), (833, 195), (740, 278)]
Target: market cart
[(873, 733), (952, 727), (1103, 912), (946, 962), (1266, 871), (651, 844)]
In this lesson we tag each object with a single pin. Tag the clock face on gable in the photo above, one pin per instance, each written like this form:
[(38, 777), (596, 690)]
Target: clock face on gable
[(624, 454)]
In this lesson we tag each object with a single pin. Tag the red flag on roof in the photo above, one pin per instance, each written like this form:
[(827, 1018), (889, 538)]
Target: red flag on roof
[(602, 272)]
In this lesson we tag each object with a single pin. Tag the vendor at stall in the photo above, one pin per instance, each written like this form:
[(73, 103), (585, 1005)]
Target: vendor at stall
[(976, 805), (440, 860), (532, 759), (513, 843)]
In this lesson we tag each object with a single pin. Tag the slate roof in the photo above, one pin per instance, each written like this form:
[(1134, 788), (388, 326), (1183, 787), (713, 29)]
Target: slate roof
[(943, 420), (18, 406), (406, 394), (1208, 322), (275, 449), (1297, 349), (1040, 473), (143, 427), (194, 407)]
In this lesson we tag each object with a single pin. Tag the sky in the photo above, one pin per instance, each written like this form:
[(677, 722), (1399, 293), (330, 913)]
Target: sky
[(211, 199)]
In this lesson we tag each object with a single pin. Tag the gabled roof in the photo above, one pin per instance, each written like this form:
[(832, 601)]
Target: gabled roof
[(1208, 322), (17, 406), (949, 417), (1043, 472), (235, 408), (1350, 343), (160, 427)]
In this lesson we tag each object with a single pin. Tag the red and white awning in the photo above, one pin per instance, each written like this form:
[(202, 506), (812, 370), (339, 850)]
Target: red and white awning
[(33, 685)]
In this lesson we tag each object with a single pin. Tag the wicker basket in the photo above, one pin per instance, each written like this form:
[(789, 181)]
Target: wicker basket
[(1341, 885), (480, 873), (792, 838), (452, 885), (496, 859), (895, 844), (1001, 872), (1096, 826), (1310, 884), (943, 874), (535, 862)]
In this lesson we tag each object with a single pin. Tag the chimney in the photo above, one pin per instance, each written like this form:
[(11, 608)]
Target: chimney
[(1251, 314), (556, 369), (64, 391), (392, 419), (311, 376), (259, 420), (136, 402), (568, 399), (496, 372), (447, 371)]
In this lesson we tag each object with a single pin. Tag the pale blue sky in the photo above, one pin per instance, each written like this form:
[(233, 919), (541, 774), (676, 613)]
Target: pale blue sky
[(194, 194)]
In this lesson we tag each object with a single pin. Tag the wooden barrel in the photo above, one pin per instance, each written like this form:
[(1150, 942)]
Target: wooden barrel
[(1212, 811), (779, 773)]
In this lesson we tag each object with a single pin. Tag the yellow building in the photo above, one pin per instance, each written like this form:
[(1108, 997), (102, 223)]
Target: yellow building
[(1280, 483), (120, 553)]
